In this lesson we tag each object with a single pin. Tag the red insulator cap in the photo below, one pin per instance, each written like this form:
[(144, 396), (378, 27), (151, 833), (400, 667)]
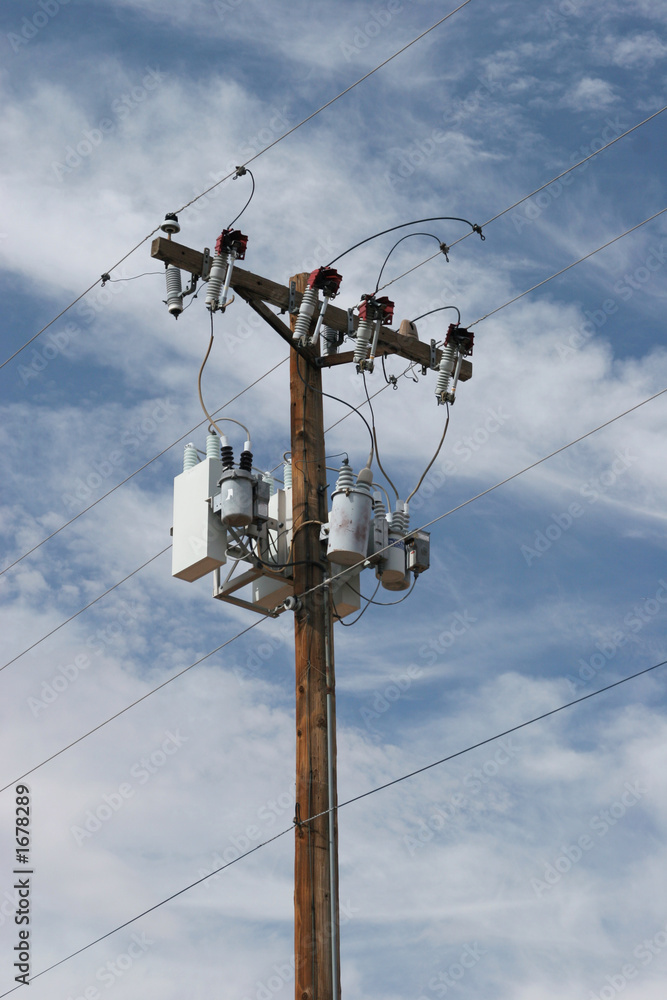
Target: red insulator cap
[(372, 308), (461, 338), (326, 278), (232, 239)]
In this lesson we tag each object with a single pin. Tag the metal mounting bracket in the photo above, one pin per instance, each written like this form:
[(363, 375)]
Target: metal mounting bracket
[(432, 362), (350, 323), (292, 307)]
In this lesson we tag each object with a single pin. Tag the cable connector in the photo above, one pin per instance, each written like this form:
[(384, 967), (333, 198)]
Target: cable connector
[(240, 172), (478, 229), (444, 249), (105, 277)]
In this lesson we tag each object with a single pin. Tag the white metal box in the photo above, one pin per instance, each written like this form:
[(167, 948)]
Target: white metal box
[(199, 540)]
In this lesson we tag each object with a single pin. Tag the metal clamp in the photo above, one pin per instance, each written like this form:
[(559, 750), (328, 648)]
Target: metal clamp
[(206, 264)]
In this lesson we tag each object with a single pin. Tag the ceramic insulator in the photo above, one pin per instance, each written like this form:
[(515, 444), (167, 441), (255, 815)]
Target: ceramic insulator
[(306, 310), (364, 333), (174, 289), (216, 277), (190, 458), (446, 370)]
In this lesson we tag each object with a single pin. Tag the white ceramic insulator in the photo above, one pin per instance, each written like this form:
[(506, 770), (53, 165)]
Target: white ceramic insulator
[(174, 290), (364, 333), (268, 478), (406, 518), (216, 277), (287, 475), (379, 509), (446, 370), (190, 457), (306, 310), (212, 446), (345, 479)]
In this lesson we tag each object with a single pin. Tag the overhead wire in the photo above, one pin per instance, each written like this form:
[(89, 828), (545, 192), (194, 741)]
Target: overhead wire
[(474, 228), (137, 701), (443, 250), (85, 608), (141, 468), (569, 266), (375, 438), (162, 551), (211, 421), (515, 204), (342, 805), (502, 482), (251, 159), (335, 576), (437, 452), (492, 312)]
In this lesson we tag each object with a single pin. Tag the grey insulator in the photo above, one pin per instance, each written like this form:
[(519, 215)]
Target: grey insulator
[(306, 310), (446, 370), (364, 333), (190, 458), (216, 278), (212, 446), (174, 290)]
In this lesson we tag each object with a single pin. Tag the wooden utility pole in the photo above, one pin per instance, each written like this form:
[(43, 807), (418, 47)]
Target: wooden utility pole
[(316, 923), (316, 945)]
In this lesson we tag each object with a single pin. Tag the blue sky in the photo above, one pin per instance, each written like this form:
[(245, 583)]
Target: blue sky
[(528, 869)]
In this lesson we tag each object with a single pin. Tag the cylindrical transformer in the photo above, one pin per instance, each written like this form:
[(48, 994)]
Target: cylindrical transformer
[(394, 575), (350, 517), (236, 498)]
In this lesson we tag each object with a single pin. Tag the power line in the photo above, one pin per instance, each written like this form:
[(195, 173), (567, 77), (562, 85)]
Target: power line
[(573, 264), (341, 805), (328, 580), (162, 551), (502, 482), (136, 702), (89, 605), (526, 197), (140, 469), (234, 172)]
